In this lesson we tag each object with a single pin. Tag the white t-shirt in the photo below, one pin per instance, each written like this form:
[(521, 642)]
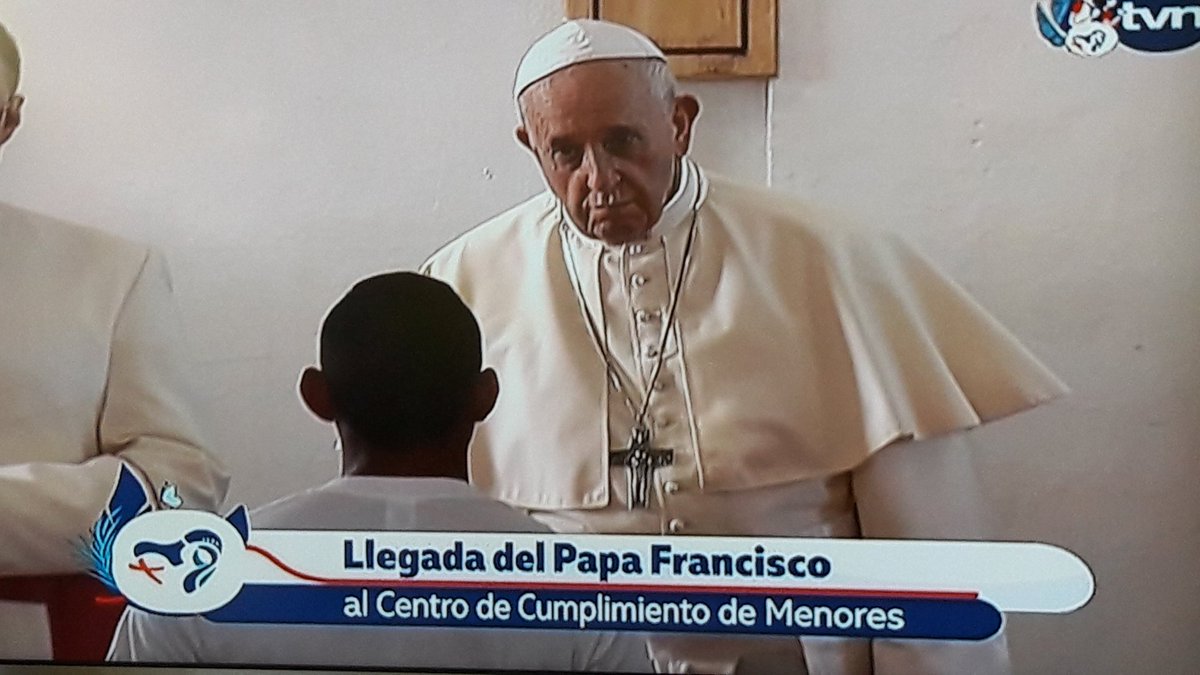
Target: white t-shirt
[(378, 503)]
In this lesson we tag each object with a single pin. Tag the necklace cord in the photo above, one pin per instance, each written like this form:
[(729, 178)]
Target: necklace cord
[(600, 342)]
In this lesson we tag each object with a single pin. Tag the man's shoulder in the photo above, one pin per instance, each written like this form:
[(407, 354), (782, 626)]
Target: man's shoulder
[(418, 504), (52, 236), (511, 229), (781, 217)]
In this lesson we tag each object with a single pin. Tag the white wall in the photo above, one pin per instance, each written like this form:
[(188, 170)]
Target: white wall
[(1065, 195), (279, 150)]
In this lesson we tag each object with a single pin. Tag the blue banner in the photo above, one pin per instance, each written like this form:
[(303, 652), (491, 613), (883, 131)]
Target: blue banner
[(650, 611)]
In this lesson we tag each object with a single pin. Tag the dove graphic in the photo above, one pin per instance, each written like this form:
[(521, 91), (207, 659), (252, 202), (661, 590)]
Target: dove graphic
[(170, 496)]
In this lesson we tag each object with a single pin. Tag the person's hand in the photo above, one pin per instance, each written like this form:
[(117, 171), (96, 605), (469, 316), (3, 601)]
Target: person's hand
[(11, 116)]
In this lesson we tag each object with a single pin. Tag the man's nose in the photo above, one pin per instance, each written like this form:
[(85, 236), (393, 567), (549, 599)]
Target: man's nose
[(601, 171)]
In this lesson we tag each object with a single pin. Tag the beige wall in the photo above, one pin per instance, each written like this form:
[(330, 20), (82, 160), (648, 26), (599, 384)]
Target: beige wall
[(1065, 195), (279, 150)]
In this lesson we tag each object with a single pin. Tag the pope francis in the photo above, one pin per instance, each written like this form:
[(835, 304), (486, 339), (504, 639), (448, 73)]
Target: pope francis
[(89, 379), (681, 353)]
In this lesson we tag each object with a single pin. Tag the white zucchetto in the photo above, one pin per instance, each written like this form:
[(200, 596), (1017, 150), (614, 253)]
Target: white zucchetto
[(580, 41)]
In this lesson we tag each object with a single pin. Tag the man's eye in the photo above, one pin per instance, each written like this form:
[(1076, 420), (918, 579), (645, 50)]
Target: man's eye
[(565, 156), (621, 143)]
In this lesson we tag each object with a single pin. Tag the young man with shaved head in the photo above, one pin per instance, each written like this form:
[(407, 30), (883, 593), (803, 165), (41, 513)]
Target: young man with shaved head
[(684, 354), (402, 380)]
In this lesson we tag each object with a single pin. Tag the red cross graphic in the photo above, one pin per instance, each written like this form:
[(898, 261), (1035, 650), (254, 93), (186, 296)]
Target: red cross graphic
[(141, 566)]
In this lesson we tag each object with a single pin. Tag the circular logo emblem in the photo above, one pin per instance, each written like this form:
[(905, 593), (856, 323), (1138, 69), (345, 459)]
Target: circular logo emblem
[(178, 562), (1092, 38)]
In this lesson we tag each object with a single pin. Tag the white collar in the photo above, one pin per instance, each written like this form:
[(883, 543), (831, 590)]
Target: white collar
[(678, 208), (402, 487)]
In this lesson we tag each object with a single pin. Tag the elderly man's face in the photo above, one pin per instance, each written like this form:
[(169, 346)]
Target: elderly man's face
[(607, 144)]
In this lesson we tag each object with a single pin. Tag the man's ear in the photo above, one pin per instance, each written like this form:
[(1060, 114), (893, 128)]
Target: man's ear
[(12, 117), (523, 137), (314, 391), (484, 395), (683, 117)]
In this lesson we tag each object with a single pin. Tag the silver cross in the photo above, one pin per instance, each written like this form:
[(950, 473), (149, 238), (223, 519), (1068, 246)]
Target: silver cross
[(640, 460)]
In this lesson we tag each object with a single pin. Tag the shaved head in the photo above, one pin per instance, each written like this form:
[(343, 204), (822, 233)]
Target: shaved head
[(401, 353)]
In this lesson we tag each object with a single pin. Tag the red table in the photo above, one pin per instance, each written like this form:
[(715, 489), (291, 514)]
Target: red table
[(83, 613)]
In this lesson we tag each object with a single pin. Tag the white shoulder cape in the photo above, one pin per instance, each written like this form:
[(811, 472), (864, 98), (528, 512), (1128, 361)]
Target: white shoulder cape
[(807, 345)]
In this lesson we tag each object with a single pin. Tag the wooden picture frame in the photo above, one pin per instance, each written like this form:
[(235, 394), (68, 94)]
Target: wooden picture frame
[(703, 39)]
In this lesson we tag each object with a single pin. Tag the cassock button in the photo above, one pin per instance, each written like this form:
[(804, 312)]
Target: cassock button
[(671, 487), (638, 280), (643, 316), (675, 526)]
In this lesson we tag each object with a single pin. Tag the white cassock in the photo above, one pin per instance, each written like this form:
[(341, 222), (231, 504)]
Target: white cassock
[(802, 347), (397, 505), (90, 376)]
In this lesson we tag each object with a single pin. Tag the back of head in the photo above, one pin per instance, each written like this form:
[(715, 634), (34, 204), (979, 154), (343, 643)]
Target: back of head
[(401, 353), (10, 65)]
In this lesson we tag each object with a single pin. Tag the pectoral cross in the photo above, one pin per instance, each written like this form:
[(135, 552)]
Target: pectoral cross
[(640, 460)]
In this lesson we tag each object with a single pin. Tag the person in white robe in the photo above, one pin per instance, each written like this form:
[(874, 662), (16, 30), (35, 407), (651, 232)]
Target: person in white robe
[(91, 377), (401, 377), (783, 372)]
